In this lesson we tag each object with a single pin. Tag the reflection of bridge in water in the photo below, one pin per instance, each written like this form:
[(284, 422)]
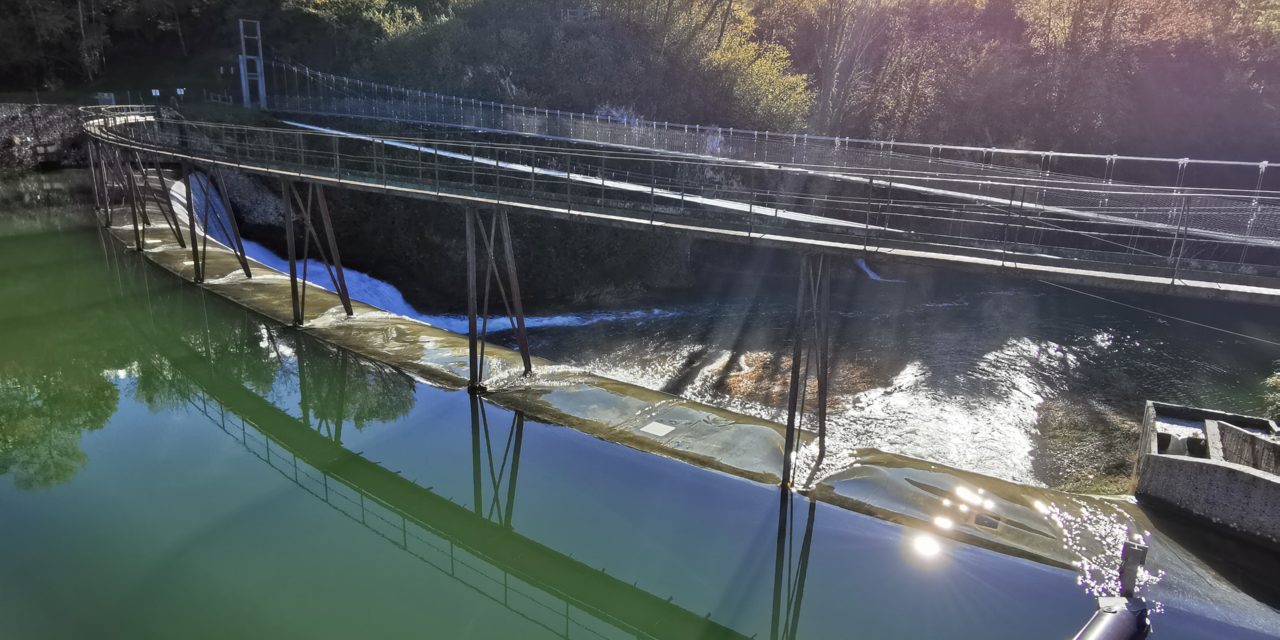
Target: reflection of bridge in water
[(476, 545)]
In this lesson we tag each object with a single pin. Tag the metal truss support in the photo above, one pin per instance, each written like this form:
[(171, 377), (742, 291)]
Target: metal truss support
[(96, 176), (327, 251), (111, 179), (125, 178), (237, 242), (790, 571), (487, 234), (205, 218), (153, 193), (135, 190), (193, 217), (810, 354), (502, 469)]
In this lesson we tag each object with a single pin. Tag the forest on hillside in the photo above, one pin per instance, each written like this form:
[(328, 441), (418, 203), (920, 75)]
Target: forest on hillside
[(1168, 77)]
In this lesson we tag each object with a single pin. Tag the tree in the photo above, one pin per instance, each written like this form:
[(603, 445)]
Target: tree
[(846, 33), (1271, 396)]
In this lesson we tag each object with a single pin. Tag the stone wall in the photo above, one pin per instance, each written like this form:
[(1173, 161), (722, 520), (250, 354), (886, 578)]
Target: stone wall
[(418, 246), (25, 126)]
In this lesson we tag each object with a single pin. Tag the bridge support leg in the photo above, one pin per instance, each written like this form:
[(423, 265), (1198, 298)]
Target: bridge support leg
[(286, 188), (135, 191), (165, 207), (237, 243), (810, 352), (94, 175), (204, 218), (139, 231), (100, 164), (192, 216), (473, 350), (328, 251), (498, 228), (111, 169)]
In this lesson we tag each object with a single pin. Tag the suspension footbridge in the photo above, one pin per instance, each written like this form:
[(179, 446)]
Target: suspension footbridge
[(1212, 229)]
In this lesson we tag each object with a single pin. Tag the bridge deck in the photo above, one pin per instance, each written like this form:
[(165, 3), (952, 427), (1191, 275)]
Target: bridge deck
[(1160, 197), (547, 183)]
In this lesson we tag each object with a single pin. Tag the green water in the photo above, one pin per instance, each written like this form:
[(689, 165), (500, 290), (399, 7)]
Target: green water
[(172, 465)]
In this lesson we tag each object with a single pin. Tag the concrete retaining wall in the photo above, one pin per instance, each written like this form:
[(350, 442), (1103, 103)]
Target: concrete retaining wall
[(1244, 500), (1230, 483)]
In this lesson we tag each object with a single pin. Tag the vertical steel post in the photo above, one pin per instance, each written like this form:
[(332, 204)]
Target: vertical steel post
[(793, 388), (811, 331), (93, 174), (285, 188), (127, 174), (522, 338), (343, 293), (473, 356), (822, 351), (198, 274), (106, 193)]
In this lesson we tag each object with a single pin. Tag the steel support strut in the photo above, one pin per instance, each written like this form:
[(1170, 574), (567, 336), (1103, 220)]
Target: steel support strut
[(237, 243), (507, 283), (153, 193), (192, 215), (810, 352), (285, 188), (327, 251)]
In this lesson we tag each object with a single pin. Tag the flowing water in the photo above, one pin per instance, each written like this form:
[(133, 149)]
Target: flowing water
[(173, 465), (1022, 380), (953, 368), (947, 367)]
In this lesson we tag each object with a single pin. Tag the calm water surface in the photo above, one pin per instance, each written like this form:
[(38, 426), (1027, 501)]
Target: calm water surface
[(174, 466)]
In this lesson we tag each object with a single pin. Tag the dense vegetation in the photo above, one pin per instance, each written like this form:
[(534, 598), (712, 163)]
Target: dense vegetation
[(1188, 77)]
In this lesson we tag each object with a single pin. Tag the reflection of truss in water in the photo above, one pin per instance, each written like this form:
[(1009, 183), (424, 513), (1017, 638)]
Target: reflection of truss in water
[(789, 571), (526, 600), (540, 606), (476, 546)]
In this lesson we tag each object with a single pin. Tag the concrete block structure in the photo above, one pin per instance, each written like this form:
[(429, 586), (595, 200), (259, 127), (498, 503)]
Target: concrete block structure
[(1215, 467)]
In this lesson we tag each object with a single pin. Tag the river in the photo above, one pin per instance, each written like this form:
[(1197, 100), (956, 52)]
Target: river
[(174, 465)]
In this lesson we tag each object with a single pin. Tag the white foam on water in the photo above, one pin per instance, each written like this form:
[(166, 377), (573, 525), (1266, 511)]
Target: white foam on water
[(989, 428)]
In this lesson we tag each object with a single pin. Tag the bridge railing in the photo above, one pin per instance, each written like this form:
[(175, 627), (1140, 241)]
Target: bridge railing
[(717, 198), (1162, 190)]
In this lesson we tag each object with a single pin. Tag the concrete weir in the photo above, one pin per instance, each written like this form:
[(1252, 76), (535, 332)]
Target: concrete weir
[(628, 414)]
